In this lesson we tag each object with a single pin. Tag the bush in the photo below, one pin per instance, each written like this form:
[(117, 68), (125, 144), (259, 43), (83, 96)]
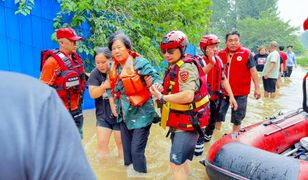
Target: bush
[(302, 61)]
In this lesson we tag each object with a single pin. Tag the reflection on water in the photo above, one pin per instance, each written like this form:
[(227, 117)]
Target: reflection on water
[(289, 97)]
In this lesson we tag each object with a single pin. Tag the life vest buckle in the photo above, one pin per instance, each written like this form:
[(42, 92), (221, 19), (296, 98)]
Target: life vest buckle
[(191, 106)]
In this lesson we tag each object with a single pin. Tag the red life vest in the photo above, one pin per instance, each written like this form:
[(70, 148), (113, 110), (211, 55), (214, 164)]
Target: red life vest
[(199, 111), (70, 81), (237, 71), (214, 78)]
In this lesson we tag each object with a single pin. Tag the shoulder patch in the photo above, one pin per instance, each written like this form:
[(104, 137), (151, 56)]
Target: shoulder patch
[(184, 76)]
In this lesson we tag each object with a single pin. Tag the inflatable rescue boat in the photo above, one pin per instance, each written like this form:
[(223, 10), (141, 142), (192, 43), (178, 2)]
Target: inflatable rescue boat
[(276, 148)]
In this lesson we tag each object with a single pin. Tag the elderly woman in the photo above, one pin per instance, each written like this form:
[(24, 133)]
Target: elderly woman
[(134, 105)]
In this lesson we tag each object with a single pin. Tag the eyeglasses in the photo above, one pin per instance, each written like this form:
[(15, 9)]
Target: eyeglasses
[(170, 51)]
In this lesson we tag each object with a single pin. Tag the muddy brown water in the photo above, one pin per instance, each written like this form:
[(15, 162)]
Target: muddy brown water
[(289, 97)]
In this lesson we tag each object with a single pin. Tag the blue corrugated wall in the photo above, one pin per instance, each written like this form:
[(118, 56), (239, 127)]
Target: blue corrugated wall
[(23, 37)]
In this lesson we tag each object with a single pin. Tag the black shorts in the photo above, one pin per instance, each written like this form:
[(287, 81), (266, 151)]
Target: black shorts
[(183, 146), (100, 122), (236, 116), (269, 84)]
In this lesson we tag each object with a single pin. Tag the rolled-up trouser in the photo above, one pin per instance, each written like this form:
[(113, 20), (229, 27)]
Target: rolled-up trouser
[(134, 143), (78, 118)]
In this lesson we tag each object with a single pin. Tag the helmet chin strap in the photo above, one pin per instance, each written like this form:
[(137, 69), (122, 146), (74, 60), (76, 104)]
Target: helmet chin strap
[(183, 51)]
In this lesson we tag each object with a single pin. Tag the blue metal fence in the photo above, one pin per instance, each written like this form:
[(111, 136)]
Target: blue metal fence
[(23, 37)]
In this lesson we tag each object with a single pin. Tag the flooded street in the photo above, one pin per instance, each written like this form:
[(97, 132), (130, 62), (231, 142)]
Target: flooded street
[(288, 97)]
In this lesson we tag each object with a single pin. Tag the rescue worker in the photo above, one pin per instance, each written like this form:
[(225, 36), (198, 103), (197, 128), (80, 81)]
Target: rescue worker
[(216, 81), (134, 105), (63, 69), (240, 68), (184, 101)]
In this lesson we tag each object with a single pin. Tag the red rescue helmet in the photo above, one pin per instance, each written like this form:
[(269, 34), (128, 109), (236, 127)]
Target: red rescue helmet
[(305, 25), (68, 33), (207, 40), (174, 39)]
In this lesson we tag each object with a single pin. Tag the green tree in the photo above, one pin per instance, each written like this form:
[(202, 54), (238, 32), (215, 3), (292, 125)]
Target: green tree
[(144, 21), (226, 13), (223, 18), (253, 9), (304, 39), (256, 32), (261, 31), (257, 21)]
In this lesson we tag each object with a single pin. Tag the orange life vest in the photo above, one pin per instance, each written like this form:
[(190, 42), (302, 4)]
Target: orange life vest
[(135, 88), (190, 116)]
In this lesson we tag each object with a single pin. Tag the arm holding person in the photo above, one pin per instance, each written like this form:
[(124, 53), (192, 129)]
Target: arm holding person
[(182, 97), (97, 91)]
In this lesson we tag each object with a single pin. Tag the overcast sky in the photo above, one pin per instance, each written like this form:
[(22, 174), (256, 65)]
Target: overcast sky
[(294, 10)]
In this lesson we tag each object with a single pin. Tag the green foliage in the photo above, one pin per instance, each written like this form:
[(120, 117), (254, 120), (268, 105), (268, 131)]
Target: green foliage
[(304, 39), (257, 21), (257, 32), (144, 21), (223, 18), (254, 9), (303, 60), (25, 6)]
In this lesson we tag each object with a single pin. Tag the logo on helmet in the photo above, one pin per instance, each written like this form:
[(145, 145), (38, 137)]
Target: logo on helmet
[(174, 39)]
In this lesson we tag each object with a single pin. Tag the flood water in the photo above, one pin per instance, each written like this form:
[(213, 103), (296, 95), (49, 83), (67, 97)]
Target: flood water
[(288, 97)]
